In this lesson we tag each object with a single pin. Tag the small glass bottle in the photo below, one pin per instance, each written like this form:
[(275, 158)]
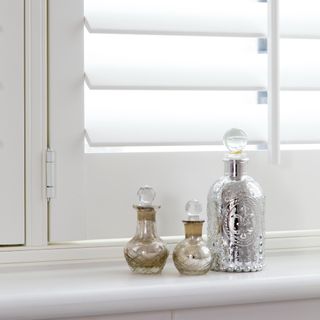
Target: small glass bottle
[(145, 252), (236, 213), (191, 256)]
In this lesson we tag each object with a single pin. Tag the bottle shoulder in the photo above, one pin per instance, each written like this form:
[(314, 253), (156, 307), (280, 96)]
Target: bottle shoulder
[(192, 241), (246, 184), (217, 186), (189, 246)]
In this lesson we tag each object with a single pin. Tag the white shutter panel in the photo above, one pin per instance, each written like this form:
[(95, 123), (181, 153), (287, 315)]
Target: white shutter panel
[(11, 122), (142, 48), (300, 71), (188, 66), (95, 189), (66, 119)]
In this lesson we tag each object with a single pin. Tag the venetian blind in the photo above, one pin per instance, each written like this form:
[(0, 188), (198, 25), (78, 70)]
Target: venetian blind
[(181, 72)]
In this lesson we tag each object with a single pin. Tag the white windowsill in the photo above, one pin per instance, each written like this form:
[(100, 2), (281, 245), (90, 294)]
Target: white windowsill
[(83, 289)]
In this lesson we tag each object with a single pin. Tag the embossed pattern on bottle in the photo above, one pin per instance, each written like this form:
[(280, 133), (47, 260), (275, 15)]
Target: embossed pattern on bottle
[(236, 225)]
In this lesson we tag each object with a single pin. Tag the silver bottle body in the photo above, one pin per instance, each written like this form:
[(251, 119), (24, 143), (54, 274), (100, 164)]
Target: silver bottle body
[(236, 207)]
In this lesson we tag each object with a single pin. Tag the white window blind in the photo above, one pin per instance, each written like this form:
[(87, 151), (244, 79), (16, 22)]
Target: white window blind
[(182, 72)]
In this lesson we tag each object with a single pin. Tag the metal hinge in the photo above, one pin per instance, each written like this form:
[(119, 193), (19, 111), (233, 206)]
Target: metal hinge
[(50, 174), (262, 46), (262, 97)]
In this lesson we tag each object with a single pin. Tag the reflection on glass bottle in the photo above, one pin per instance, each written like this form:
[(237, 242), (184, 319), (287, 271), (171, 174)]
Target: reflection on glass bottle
[(236, 213), (191, 256), (145, 252)]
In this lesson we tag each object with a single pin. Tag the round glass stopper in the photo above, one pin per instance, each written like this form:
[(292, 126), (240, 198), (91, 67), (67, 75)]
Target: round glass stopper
[(146, 195), (235, 140), (193, 210)]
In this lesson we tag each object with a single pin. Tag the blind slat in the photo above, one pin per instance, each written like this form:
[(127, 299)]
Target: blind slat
[(199, 17), (245, 18), (299, 117), (167, 62), (124, 118), (173, 62), (299, 19)]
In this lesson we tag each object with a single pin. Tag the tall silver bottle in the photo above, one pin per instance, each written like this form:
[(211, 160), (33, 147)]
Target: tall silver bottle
[(236, 213)]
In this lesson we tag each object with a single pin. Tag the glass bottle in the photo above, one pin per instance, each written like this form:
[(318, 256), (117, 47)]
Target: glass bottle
[(191, 256), (145, 252), (236, 213)]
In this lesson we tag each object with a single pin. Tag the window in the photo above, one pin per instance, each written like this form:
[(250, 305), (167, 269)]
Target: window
[(176, 65), (163, 83)]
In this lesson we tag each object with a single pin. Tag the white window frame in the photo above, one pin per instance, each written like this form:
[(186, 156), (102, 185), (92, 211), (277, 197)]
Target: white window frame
[(36, 121), (37, 247), (67, 217)]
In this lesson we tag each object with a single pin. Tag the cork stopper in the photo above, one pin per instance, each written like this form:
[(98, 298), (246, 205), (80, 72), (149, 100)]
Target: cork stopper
[(193, 224)]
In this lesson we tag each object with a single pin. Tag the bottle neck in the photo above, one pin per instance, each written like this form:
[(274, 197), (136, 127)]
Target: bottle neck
[(193, 229), (235, 168), (146, 225)]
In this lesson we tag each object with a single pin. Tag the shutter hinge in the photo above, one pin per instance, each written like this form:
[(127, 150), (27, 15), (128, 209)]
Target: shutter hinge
[(262, 97), (262, 46), (50, 174)]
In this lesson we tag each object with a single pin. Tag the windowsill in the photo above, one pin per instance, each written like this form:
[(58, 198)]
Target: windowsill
[(52, 291)]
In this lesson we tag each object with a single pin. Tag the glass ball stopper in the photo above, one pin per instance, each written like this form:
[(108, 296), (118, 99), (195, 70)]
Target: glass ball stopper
[(193, 210), (235, 140), (146, 195)]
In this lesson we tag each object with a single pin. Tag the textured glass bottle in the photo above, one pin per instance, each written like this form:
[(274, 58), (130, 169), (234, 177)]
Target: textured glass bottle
[(145, 252), (236, 213), (191, 256)]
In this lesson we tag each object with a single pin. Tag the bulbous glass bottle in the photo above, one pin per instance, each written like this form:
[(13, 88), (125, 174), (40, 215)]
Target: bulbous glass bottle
[(192, 256), (236, 213), (146, 253)]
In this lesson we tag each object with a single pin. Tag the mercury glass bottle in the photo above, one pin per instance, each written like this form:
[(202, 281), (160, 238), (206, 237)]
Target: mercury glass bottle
[(145, 252), (236, 213), (192, 256)]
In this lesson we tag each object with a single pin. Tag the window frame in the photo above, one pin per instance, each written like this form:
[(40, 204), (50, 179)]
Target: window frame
[(37, 247)]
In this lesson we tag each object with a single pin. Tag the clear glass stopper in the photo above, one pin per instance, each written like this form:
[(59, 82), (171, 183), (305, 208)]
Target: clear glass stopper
[(146, 195), (235, 140), (193, 210)]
